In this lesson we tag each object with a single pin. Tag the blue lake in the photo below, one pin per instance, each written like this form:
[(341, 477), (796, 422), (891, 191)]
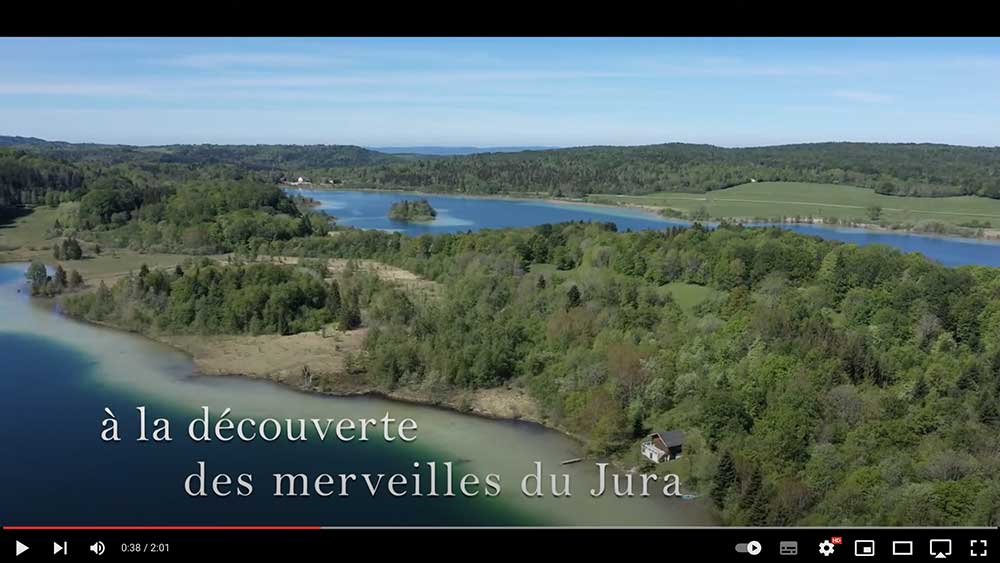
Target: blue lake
[(369, 210)]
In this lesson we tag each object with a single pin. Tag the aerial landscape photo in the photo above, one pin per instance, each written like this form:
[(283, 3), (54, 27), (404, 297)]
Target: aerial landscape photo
[(714, 281)]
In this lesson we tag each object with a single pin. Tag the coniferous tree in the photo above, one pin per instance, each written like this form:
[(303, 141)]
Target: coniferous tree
[(920, 387), (71, 249), (753, 489), (349, 317), (59, 279), (333, 302), (758, 513), (572, 297), (725, 477), (75, 280)]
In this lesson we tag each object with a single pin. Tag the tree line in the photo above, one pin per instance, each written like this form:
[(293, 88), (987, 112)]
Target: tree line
[(893, 169), (888, 168), (204, 297), (158, 207)]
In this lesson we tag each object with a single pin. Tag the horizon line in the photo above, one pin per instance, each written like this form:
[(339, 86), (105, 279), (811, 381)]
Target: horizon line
[(526, 147)]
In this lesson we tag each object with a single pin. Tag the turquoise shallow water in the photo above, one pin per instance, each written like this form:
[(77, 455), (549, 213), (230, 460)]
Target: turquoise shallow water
[(368, 210), (57, 376)]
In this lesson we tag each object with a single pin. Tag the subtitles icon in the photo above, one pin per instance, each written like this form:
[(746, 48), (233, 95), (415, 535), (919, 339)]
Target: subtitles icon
[(902, 548), (940, 549), (788, 548)]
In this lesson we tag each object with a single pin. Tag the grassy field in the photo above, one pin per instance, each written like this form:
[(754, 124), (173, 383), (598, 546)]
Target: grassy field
[(27, 232), (688, 295), (25, 239), (791, 199)]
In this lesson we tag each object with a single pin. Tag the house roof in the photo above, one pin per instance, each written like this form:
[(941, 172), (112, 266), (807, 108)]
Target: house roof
[(670, 439)]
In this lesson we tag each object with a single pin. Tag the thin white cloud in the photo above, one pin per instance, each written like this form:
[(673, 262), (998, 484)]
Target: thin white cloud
[(193, 87), (863, 96), (321, 54), (734, 67), (229, 60), (81, 88)]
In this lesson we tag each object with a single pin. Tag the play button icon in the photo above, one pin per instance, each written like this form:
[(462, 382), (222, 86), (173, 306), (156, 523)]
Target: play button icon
[(19, 548)]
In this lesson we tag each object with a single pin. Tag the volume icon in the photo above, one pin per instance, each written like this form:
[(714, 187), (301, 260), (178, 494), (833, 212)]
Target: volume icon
[(98, 548)]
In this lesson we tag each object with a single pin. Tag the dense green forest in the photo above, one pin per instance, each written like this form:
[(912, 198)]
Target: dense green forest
[(848, 385), (820, 383), (415, 210), (34, 171), (196, 217), (26, 178), (889, 168), (202, 297), (252, 157), (894, 169), (158, 207)]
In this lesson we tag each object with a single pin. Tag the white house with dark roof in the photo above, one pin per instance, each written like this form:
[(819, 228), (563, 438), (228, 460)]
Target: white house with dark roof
[(663, 446)]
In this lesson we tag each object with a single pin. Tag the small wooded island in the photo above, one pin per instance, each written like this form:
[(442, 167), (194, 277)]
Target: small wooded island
[(412, 211)]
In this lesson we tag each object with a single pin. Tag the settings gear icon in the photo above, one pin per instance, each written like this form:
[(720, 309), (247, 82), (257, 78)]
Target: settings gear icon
[(826, 548)]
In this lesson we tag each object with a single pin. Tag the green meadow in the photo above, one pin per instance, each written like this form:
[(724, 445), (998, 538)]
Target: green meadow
[(689, 295), (796, 199)]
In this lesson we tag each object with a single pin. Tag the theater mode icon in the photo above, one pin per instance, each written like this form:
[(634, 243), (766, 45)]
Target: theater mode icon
[(902, 548)]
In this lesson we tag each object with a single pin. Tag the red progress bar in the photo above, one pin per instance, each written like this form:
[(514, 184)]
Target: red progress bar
[(162, 527)]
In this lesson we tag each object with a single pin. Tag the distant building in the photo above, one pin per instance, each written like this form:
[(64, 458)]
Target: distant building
[(663, 446)]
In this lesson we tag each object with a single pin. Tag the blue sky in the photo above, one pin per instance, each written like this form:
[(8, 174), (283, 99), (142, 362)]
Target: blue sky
[(501, 91)]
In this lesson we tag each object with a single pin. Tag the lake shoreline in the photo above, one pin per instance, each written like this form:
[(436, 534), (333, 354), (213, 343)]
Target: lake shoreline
[(488, 404), (209, 358), (987, 235)]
